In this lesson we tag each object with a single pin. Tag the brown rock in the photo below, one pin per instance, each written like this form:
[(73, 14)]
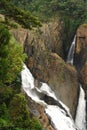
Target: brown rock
[(60, 76), (81, 55), (50, 128), (61, 81), (44, 119), (46, 37), (81, 42), (83, 77), (19, 34), (43, 47)]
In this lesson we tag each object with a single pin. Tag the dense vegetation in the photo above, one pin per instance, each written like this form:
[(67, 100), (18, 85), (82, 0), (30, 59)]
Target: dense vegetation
[(45, 9), (14, 13), (11, 57), (14, 113)]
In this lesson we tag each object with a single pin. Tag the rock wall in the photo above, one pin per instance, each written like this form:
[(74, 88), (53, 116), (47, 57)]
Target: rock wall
[(44, 48), (81, 55), (80, 59)]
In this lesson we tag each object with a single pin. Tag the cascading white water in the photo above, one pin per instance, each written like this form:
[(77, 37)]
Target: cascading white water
[(71, 52), (81, 111), (58, 113), (80, 120)]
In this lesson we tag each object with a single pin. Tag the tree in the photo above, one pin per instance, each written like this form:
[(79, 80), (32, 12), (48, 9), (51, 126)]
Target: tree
[(22, 17), (11, 57), (11, 64), (49, 8), (4, 40), (19, 112), (20, 115)]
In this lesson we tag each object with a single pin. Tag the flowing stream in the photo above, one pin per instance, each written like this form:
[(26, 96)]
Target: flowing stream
[(81, 111), (71, 52), (57, 112)]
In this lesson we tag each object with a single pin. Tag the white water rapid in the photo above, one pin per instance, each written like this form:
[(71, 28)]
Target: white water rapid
[(57, 111), (81, 111), (80, 120)]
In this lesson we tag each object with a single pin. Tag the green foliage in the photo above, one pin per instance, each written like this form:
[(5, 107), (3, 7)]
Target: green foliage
[(51, 8), (69, 26), (3, 110), (4, 40), (15, 59), (35, 125), (11, 57), (4, 36), (14, 114), (22, 17), (71, 13), (39, 8), (8, 23), (20, 115), (4, 117), (6, 93), (3, 124)]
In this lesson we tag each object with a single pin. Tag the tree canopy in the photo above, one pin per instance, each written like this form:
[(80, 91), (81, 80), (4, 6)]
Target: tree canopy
[(13, 111), (11, 56), (47, 8), (19, 15), (11, 64)]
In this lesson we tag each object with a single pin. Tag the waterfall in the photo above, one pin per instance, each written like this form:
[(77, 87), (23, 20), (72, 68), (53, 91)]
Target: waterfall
[(81, 111), (57, 112), (71, 52), (80, 120)]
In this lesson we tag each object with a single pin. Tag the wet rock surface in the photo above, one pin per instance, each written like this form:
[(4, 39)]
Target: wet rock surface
[(80, 61), (80, 58), (39, 111), (43, 48)]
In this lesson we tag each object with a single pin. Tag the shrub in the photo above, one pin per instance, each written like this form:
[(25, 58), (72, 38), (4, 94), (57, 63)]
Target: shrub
[(20, 115)]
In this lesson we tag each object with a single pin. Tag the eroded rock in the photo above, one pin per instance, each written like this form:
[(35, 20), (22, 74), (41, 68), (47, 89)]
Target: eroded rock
[(81, 55), (43, 47)]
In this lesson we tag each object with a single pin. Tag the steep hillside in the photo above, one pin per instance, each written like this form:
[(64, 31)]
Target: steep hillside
[(46, 46), (45, 9), (71, 13), (11, 64)]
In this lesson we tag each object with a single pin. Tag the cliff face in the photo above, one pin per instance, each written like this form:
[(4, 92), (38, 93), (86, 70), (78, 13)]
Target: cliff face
[(44, 48), (81, 55), (19, 34)]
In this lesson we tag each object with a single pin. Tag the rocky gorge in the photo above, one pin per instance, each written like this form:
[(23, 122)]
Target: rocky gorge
[(44, 51)]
